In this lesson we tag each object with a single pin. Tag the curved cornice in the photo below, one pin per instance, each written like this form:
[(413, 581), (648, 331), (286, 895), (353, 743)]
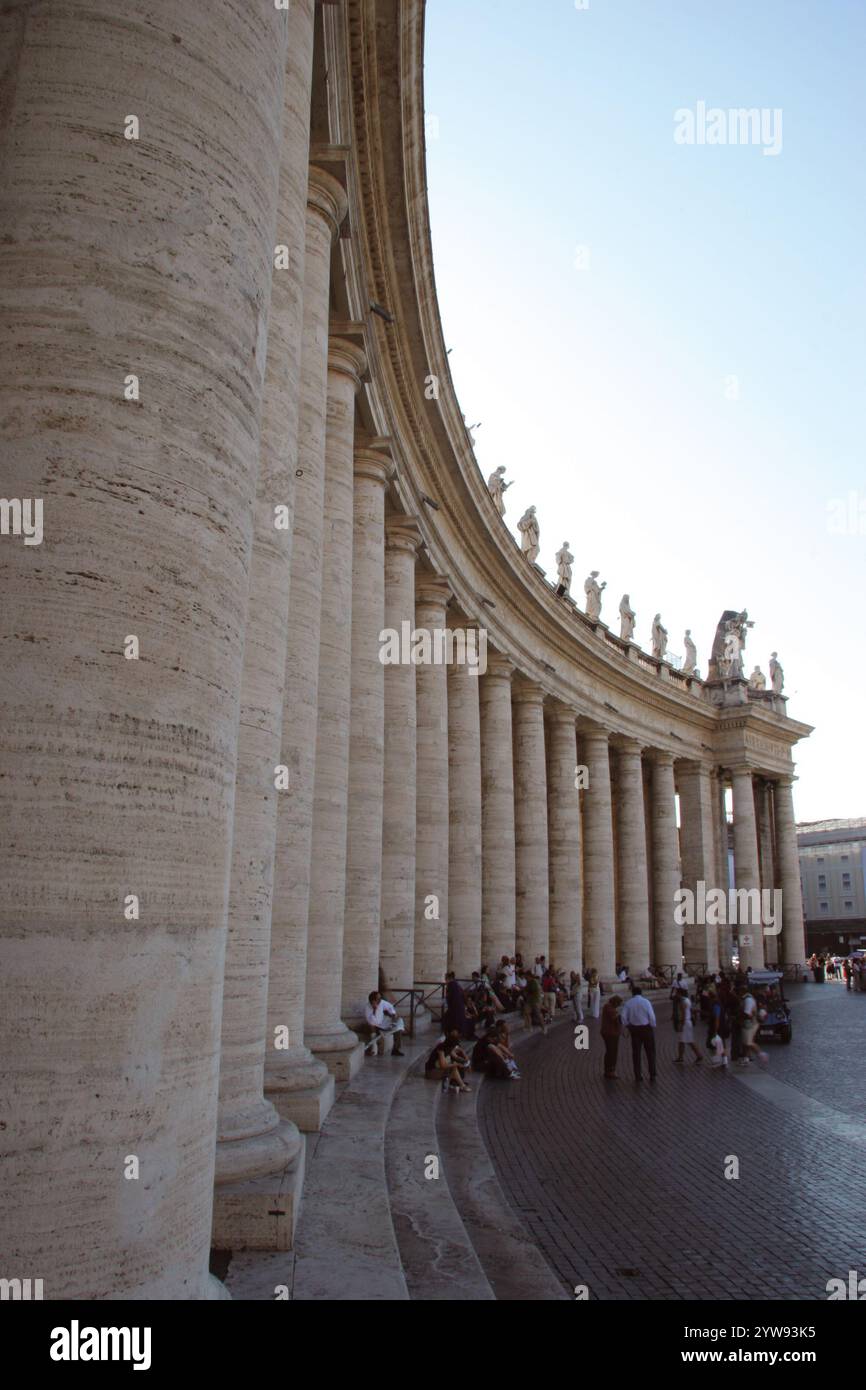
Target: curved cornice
[(378, 45)]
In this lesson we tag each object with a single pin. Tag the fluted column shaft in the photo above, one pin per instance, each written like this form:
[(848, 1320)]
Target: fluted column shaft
[(530, 821), (367, 745), (599, 924), (667, 934), (118, 774), (747, 869), (720, 824), (431, 864), (397, 946), (244, 1114), (632, 869), (289, 1065), (699, 844), (324, 1030), (766, 857), (793, 949), (498, 872), (564, 848), (464, 818)]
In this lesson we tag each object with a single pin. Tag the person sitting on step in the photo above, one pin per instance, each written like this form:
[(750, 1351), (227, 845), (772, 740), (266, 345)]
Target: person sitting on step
[(382, 1018)]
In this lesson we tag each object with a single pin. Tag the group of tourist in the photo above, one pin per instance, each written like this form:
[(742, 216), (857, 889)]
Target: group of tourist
[(851, 969)]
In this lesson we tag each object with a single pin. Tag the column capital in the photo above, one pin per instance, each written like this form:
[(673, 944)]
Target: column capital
[(660, 757), (624, 743), (691, 767), (787, 780), (499, 667), (403, 533), (527, 692), (374, 464), (742, 770), (432, 591), (327, 196), (591, 731), (347, 359), (561, 713)]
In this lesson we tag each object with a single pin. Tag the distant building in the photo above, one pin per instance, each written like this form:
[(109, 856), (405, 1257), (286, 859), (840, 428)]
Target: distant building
[(833, 875)]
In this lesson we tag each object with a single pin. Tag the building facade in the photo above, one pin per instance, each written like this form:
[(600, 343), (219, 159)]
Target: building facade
[(225, 811), (833, 876)]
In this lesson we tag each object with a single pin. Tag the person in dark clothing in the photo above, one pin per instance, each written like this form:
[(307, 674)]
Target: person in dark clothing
[(611, 1032), (454, 1017)]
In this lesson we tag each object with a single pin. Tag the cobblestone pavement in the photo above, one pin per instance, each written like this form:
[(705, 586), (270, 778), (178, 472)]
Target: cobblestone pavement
[(622, 1184)]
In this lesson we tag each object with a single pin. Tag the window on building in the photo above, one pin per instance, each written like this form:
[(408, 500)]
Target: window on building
[(822, 880), (820, 859), (825, 907), (846, 880), (848, 903), (844, 859)]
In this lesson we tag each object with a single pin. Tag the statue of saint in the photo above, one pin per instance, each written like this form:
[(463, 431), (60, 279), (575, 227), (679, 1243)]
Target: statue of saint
[(564, 562), (691, 660), (726, 660), (757, 680), (496, 486), (660, 638), (777, 675), (593, 589), (626, 619), (529, 534)]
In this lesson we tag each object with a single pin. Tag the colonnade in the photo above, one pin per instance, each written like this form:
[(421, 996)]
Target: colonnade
[(227, 814)]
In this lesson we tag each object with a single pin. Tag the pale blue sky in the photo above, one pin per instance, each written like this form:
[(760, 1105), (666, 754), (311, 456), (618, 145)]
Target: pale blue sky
[(605, 390)]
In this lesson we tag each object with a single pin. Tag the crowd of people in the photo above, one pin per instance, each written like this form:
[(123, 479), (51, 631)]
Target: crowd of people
[(851, 969)]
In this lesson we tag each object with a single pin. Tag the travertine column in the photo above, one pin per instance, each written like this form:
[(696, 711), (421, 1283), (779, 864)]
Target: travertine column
[(121, 257), (367, 741), (397, 947), (793, 945), (498, 873), (297, 1083), (530, 821), (633, 873), (766, 856), (699, 844), (720, 824), (746, 868), (324, 1030), (599, 924), (252, 1141), (431, 863), (564, 850), (667, 934), (464, 820)]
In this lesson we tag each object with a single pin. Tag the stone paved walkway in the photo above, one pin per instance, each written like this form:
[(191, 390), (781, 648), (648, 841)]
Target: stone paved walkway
[(623, 1185)]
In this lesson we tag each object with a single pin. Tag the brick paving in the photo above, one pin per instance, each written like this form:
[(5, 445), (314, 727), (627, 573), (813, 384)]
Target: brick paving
[(616, 1176)]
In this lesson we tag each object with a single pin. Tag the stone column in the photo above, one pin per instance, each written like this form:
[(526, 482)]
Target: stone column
[(122, 627), (746, 869), (668, 935), (397, 946), (793, 945), (367, 746), (699, 842), (633, 872), (464, 820), (599, 925), (296, 1082), (720, 824), (530, 821), (766, 857), (252, 1141), (325, 1033), (498, 873), (564, 848), (431, 862)]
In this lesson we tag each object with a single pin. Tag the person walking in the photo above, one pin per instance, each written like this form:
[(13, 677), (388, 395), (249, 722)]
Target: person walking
[(687, 1032), (594, 994), (638, 1016), (576, 993), (611, 1032)]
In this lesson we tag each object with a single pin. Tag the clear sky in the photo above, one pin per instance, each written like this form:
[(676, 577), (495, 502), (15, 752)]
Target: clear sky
[(664, 342)]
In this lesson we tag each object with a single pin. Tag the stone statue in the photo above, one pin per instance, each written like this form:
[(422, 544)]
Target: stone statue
[(691, 661), (626, 619), (726, 661), (777, 675), (593, 589), (564, 562), (660, 638), (757, 680), (496, 486), (529, 534)]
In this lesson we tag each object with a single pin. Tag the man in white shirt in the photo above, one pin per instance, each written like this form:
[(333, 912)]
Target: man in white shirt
[(382, 1018), (638, 1016)]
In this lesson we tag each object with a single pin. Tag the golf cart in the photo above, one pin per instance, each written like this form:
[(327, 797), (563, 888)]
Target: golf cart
[(769, 992)]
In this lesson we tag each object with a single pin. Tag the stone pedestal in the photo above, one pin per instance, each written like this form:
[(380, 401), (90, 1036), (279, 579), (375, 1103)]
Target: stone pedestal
[(530, 821)]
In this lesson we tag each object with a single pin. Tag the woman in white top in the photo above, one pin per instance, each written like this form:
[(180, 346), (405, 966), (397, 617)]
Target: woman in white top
[(687, 1032)]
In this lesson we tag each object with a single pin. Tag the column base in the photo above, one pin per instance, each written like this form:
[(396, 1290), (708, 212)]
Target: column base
[(260, 1213), (343, 1062), (300, 1088)]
